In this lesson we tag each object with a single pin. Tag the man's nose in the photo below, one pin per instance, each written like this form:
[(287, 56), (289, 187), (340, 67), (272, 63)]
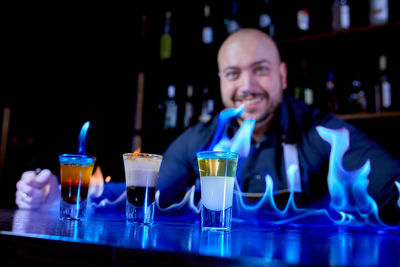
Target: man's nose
[(247, 81)]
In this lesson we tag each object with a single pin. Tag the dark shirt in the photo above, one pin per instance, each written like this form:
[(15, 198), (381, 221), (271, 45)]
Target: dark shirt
[(294, 122)]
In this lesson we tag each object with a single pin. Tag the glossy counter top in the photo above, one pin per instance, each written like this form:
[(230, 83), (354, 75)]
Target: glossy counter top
[(39, 236)]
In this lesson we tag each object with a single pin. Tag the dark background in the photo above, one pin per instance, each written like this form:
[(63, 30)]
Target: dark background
[(65, 64)]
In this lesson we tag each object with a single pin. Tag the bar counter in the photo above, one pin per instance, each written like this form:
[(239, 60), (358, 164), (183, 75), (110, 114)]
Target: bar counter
[(32, 237)]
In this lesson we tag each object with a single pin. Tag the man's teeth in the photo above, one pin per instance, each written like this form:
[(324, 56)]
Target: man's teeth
[(251, 101)]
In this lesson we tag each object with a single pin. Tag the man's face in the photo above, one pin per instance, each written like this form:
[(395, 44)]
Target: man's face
[(251, 74)]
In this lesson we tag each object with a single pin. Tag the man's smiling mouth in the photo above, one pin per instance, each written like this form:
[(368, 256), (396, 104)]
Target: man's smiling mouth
[(249, 100)]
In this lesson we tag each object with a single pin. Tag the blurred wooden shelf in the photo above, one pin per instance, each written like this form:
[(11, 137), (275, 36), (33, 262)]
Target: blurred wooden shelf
[(362, 116), (370, 28)]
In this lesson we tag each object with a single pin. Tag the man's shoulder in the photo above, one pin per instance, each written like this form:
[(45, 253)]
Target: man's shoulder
[(202, 128), (304, 114), (197, 135)]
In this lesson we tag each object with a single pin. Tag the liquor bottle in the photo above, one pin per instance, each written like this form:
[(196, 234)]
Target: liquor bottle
[(303, 90), (265, 22), (385, 87), (187, 117), (207, 33), (207, 107), (232, 24), (166, 39), (303, 17), (340, 15), (171, 112), (331, 96), (356, 98), (378, 12)]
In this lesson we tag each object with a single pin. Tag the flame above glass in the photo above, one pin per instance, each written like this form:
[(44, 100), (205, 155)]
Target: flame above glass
[(82, 138)]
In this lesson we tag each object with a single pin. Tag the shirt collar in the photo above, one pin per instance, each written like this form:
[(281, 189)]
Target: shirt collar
[(283, 125)]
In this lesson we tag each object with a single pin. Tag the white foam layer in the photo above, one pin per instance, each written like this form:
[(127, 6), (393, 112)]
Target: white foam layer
[(217, 192), (141, 171)]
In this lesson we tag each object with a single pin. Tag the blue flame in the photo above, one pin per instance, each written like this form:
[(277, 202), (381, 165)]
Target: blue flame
[(347, 188), (350, 202), (241, 141), (398, 187), (82, 139), (349, 198)]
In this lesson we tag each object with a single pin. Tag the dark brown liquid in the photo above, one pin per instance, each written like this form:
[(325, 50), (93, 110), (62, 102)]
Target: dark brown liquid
[(69, 192), (137, 194)]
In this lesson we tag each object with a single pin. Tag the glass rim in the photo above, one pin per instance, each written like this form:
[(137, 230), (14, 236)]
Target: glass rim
[(76, 156), (142, 155), (217, 154)]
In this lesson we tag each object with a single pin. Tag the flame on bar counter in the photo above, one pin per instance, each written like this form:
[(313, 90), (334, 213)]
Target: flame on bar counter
[(350, 202), (96, 186)]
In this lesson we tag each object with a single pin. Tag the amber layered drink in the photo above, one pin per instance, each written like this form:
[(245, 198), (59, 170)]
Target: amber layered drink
[(75, 173)]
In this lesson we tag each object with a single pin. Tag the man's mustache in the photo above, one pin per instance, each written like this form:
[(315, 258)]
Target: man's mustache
[(250, 95)]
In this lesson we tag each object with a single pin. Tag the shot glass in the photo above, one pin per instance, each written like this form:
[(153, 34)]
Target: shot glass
[(141, 175), (217, 180), (76, 171)]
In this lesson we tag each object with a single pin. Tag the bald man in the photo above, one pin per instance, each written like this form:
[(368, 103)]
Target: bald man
[(252, 73)]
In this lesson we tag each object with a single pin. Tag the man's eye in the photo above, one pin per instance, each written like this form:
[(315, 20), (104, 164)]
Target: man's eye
[(262, 70), (231, 74)]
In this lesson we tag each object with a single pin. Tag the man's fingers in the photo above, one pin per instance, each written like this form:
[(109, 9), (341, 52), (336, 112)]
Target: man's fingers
[(41, 179), (30, 196), (28, 176)]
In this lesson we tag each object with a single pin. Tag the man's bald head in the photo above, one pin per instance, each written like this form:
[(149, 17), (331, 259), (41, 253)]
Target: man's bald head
[(247, 38)]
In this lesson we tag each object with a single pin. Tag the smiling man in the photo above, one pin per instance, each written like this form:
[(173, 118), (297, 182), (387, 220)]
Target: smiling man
[(252, 74)]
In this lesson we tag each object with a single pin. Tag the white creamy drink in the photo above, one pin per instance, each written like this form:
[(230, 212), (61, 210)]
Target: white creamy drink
[(141, 172), (217, 192)]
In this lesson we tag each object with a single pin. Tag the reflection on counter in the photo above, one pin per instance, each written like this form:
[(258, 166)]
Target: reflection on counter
[(254, 243)]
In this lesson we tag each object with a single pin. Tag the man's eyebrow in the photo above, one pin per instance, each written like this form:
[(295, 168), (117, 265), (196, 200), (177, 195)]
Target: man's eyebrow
[(261, 62), (251, 65), (230, 68)]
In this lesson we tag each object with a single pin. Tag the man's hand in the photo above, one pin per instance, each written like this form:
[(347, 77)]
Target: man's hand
[(37, 191)]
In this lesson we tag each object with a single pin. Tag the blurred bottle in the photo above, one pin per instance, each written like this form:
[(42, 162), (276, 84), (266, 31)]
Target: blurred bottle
[(303, 17), (207, 107), (166, 39), (378, 12), (331, 95), (356, 98), (340, 15), (207, 32), (303, 89), (232, 23), (265, 22), (383, 91), (171, 109), (188, 115)]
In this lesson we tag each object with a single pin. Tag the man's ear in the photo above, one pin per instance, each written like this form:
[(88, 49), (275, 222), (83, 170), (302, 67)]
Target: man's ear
[(283, 74)]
